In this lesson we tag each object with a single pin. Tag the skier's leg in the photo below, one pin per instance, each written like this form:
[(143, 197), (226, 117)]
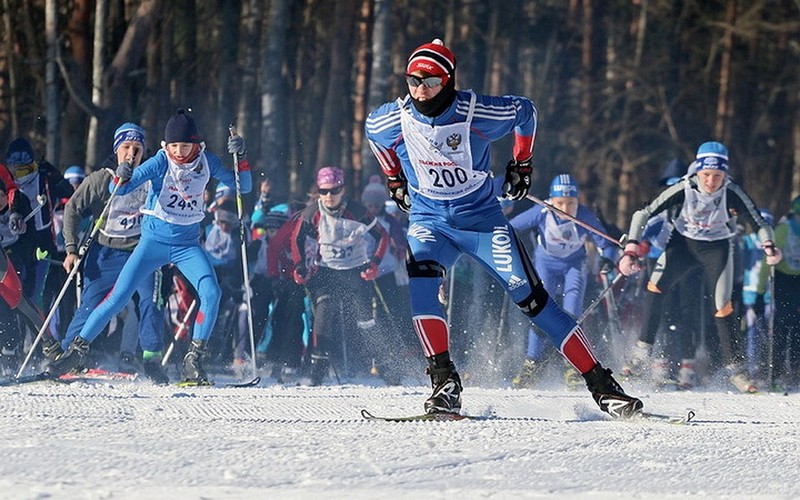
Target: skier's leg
[(193, 263), (146, 257), (514, 272), (426, 264)]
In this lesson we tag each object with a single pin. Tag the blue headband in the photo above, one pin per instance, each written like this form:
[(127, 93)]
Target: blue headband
[(711, 163)]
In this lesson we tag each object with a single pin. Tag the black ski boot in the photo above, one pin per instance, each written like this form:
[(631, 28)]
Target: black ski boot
[(192, 370), (51, 348), (71, 359), (154, 371), (446, 396), (127, 363), (608, 394), (319, 368)]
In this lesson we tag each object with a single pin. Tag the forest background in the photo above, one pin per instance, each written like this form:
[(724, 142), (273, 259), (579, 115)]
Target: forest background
[(622, 86)]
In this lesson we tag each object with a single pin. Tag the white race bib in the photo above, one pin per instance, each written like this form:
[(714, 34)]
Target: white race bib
[(441, 156)]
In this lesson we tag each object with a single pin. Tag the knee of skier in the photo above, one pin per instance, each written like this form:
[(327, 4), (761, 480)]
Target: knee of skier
[(425, 269), (208, 290), (533, 304)]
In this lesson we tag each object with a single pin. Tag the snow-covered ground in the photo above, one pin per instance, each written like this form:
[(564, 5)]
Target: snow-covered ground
[(136, 440)]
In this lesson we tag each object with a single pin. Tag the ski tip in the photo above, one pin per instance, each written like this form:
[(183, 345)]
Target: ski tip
[(671, 419), (247, 383)]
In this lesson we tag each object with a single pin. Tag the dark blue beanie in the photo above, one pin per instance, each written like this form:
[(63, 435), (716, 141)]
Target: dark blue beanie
[(181, 128), (19, 152)]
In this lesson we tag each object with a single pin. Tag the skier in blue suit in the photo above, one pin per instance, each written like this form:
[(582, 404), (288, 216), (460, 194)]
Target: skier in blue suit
[(173, 210), (560, 258), (434, 147)]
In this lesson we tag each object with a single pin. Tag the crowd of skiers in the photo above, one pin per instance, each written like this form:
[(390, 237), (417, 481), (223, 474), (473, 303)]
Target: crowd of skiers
[(333, 286)]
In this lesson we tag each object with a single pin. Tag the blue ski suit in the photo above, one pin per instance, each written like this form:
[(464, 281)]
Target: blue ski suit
[(454, 209), (170, 234)]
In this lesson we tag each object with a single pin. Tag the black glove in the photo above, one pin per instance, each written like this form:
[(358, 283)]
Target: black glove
[(518, 179), (47, 169), (124, 171), (236, 146), (607, 265), (398, 191), (16, 223)]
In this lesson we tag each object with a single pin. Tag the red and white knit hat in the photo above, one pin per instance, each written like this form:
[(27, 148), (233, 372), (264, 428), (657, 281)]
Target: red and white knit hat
[(434, 59)]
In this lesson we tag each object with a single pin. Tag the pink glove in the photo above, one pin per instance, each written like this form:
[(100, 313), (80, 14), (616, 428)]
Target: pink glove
[(629, 263), (370, 272), (773, 253)]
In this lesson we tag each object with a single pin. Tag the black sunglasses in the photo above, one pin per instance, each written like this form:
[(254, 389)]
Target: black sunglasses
[(428, 81), (335, 190)]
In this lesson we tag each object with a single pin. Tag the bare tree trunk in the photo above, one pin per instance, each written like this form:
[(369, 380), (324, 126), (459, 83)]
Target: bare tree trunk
[(249, 105), (51, 72), (587, 64), (11, 68), (795, 188), (184, 52), (98, 68), (117, 77), (80, 47), (275, 150), (380, 73), (626, 171), (329, 147), (154, 99), (228, 69), (360, 93), (724, 106), (494, 54)]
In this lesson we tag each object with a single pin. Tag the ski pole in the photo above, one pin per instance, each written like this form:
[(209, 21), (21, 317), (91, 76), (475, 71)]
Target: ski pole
[(40, 200), (379, 294), (599, 298), (620, 242), (245, 271), (42, 256), (178, 332), (101, 220), (771, 328)]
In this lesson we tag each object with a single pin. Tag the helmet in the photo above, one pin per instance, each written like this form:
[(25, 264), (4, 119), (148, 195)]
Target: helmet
[(563, 185)]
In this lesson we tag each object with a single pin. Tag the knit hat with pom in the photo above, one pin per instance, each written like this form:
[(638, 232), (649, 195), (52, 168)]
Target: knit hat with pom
[(374, 192), (434, 59)]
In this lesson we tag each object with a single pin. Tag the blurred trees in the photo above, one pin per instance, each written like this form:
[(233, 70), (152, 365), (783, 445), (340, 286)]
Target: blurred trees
[(622, 86)]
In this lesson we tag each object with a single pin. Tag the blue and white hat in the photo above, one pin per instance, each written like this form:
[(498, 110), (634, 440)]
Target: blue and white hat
[(128, 132), (74, 174), (563, 185), (711, 156)]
